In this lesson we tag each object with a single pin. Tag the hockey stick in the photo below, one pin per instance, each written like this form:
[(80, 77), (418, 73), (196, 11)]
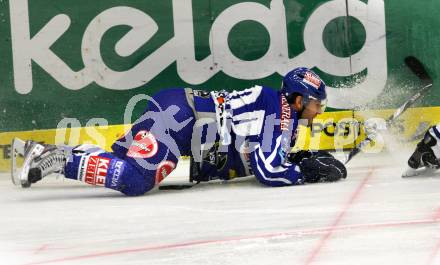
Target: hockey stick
[(417, 68)]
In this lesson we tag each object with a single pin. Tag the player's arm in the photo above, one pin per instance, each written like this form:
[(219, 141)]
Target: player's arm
[(272, 168)]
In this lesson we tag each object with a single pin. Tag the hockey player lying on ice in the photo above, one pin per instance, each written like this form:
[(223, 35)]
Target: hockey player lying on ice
[(228, 135)]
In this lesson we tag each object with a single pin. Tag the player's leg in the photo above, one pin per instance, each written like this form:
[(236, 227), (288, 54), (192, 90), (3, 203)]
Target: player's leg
[(94, 166), (148, 153), (130, 176), (89, 164)]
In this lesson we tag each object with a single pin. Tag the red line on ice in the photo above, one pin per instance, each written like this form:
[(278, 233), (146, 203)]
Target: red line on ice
[(43, 247), (338, 219), (232, 239), (434, 253)]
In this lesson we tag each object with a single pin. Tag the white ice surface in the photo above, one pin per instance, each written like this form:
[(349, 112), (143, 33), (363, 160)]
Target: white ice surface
[(372, 217)]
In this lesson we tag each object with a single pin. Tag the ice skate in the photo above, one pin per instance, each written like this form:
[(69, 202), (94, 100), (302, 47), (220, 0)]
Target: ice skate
[(40, 160)]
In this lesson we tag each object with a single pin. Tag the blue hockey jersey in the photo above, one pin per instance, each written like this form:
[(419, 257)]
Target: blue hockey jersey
[(249, 132), (227, 134)]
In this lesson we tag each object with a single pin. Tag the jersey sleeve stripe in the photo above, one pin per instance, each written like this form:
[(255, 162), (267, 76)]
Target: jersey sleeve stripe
[(261, 173)]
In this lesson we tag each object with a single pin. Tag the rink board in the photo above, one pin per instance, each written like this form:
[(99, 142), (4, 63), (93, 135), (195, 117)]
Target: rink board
[(88, 59), (330, 131)]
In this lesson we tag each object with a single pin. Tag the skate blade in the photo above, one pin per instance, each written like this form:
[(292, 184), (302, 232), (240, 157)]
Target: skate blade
[(17, 154)]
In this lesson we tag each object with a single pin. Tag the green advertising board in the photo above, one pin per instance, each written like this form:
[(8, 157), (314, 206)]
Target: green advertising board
[(86, 59)]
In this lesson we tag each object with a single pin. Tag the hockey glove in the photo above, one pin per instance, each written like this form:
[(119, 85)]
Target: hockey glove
[(322, 167)]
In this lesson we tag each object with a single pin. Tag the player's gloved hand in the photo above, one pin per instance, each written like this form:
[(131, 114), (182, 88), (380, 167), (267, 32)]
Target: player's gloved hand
[(424, 156), (322, 167)]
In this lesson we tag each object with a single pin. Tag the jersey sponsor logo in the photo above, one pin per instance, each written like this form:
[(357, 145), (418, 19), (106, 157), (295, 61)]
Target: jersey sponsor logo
[(312, 80), (117, 172), (164, 169), (286, 114), (82, 168), (96, 168), (144, 145)]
